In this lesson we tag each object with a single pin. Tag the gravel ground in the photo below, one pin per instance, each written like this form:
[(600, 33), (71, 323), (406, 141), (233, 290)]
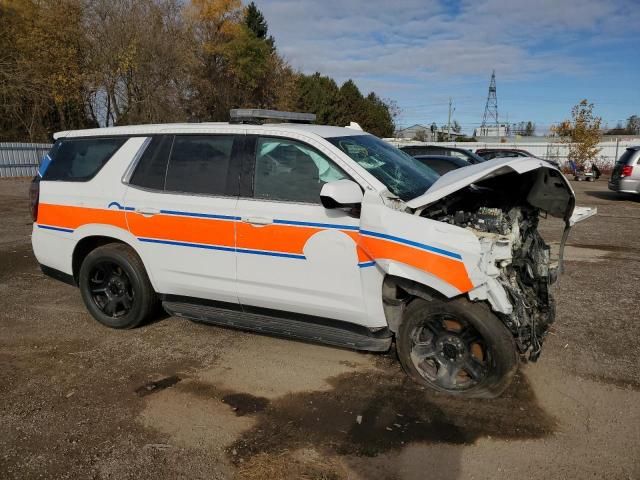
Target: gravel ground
[(176, 399)]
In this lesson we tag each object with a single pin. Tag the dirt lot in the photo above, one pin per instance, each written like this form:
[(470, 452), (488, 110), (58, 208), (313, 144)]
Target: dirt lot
[(176, 399)]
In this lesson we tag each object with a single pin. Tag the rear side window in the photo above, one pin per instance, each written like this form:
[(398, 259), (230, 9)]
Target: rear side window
[(627, 157), (152, 167), (200, 164), (80, 159)]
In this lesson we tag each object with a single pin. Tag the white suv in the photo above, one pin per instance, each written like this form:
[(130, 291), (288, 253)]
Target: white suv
[(311, 232)]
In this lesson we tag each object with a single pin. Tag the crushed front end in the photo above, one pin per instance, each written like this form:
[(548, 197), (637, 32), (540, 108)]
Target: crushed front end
[(515, 257), (503, 212)]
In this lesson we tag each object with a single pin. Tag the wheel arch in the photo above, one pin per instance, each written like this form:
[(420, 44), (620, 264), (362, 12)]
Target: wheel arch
[(398, 292), (94, 236), (85, 246)]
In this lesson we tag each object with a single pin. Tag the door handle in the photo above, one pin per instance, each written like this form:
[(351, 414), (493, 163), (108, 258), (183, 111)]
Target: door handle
[(257, 220), (147, 212)]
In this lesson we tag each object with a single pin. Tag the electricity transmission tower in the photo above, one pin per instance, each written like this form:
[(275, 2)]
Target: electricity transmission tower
[(491, 108)]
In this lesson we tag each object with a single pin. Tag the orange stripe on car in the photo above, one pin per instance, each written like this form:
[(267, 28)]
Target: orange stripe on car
[(279, 238), (72, 217), (183, 229), (448, 269)]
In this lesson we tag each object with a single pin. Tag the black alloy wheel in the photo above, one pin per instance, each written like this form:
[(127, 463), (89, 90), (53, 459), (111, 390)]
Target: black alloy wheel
[(115, 286), (456, 346), (111, 289), (449, 352)]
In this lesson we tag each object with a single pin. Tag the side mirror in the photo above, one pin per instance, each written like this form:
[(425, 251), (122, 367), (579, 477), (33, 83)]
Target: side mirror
[(341, 194)]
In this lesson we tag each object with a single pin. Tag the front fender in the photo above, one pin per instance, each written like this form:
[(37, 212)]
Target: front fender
[(441, 256)]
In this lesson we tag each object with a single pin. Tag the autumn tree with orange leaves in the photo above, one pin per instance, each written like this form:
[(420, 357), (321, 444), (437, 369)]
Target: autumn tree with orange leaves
[(74, 64), (582, 133)]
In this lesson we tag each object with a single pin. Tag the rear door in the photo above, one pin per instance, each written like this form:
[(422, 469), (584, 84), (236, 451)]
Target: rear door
[(625, 159), (181, 205), (293, 254)]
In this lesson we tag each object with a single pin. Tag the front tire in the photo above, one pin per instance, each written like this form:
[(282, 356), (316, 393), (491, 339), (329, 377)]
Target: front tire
[(115, 287), (457, 347)]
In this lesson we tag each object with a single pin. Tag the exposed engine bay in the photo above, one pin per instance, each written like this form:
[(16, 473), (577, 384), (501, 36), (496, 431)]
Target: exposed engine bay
[(513, 254)]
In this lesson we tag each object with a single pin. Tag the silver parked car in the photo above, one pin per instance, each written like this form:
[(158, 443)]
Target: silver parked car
[(626, 173)]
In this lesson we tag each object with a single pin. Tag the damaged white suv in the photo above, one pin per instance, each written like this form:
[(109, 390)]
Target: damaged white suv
[(310, 232)]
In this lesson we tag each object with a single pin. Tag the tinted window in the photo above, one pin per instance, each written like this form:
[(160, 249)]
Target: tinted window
[(422, 150), (402, 174), (457, 154), (439, 166), (199, 164), (152, 167), (291, 171), (627, 156), (79, 160)]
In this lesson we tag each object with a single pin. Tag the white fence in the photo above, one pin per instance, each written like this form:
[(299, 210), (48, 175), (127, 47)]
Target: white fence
[(21, 159), (609, 153)]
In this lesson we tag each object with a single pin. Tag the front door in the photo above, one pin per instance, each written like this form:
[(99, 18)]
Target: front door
[(181, 206), (292, 253)]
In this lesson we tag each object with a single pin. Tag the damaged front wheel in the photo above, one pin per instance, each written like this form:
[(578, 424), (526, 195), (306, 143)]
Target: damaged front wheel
[(456, 346)]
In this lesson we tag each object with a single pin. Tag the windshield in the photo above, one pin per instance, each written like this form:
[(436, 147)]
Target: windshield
[(403, 175)]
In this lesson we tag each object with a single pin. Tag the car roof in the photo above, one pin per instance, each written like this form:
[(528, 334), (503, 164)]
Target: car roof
[(440, 147), (500, 150), (446, 158), (324, 131)]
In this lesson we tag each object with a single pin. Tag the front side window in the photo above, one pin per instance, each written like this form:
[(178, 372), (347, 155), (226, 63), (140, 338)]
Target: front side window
[(403, 175), (291, 171), (79, 159), (199, 164)]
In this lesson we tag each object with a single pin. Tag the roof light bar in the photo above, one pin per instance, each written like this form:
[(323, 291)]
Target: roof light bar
[(258, 115)]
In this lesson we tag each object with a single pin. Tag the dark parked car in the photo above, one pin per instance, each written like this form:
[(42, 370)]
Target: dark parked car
[(491, 153), (442, 164), (417, 150)]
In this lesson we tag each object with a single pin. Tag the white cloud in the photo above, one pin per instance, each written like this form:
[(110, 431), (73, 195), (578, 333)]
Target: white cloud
[(397, 47), (368, 38)]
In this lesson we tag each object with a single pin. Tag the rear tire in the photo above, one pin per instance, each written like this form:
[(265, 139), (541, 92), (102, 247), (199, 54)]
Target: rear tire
[(115, 287), (457, 347)]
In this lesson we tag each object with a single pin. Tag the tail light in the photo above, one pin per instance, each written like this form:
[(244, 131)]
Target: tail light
[(34, 197), (626, 171)]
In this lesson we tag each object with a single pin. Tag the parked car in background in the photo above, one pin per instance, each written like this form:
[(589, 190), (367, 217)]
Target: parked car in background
[(625, 177), (491, 153), (442, 164), (464, 154)]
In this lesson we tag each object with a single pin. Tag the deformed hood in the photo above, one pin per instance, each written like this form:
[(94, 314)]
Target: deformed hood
[(551, 191)]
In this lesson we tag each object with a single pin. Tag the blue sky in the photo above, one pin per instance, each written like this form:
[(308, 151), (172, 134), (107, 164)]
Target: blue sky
[(548, 54)]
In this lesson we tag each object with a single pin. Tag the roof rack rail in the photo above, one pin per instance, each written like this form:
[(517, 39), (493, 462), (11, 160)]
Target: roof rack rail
[(259, 116)]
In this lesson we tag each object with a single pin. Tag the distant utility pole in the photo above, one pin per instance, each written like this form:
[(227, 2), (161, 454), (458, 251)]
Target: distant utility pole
[(449, 121), (491, 108)]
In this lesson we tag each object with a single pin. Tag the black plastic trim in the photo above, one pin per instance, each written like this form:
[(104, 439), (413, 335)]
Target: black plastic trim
[(247, 171), (279, 323), (58, 275), (312, 319), (164, 297)]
